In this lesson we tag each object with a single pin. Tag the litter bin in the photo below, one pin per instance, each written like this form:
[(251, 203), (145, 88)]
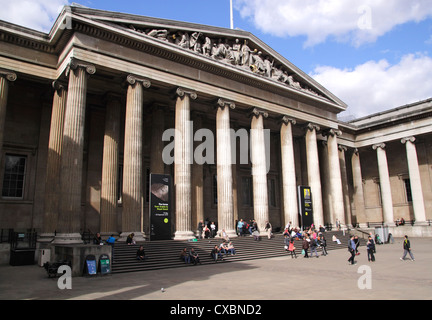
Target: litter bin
[(22, 257), (383, 233)]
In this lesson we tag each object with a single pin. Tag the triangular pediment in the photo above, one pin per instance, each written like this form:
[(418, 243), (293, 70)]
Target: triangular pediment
[(237, 49)]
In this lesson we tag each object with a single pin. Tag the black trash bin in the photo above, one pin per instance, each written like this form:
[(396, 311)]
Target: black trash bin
[(22, 257)]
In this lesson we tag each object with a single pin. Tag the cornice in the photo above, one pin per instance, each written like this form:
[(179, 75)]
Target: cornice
[(91, 22)]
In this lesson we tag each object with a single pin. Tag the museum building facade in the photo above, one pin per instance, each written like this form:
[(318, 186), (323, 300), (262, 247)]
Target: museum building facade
[(90, 110)]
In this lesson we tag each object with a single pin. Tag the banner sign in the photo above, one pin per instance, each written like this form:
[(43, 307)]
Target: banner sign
[(305, 206), (160, 207)]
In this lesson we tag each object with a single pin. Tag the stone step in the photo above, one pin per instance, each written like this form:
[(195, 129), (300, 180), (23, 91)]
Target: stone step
[(166, 254)]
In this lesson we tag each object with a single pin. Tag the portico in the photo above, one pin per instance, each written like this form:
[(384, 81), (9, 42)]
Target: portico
[(121, 80)]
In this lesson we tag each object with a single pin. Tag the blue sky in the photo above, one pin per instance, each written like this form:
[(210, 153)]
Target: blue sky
[(372, 54)]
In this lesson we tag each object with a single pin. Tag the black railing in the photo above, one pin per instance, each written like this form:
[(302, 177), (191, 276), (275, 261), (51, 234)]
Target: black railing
[(375, 224), (88, 236), (23, 239), (404, 222), (6, 235)]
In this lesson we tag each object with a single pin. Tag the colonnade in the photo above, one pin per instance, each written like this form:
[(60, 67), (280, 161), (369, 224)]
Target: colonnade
[(64, 165)]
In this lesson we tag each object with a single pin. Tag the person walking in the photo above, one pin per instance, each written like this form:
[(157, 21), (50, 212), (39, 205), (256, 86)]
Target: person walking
[(291, 248), (352, 250), (313, 247), (407, 249), (370, 249), (323, 244), (305, 246)]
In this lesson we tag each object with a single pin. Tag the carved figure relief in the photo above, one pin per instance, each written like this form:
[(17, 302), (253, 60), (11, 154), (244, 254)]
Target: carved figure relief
[(232, 52)]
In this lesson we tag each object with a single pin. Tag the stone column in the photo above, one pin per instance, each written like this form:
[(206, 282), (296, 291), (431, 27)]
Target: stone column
[(6, 76), (157, 145), (225, 204), (289, 185), (358, 196), (323, 155), (259, 169), (345, 190), (132, 159), (52, 185), (386, 196), (197, 178), (313, 171), (110, 165), (68, 226), (415, 181), (182, 165), (336, 192)]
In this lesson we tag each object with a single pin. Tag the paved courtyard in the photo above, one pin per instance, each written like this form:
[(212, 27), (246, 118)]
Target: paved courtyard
[(267, 279)]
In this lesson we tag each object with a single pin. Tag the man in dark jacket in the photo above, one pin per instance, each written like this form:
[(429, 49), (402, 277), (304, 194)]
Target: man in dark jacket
[(140, 255), (407, 249), (351, 249)]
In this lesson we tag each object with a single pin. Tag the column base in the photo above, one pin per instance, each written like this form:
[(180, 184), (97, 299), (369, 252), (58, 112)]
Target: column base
[(106, 235), (67, 238), (138, 236), (46, 237), (184, 235), (230, 233)]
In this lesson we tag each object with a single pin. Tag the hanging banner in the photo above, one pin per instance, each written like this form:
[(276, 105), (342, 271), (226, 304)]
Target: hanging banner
[(305, 206), (160, 207)]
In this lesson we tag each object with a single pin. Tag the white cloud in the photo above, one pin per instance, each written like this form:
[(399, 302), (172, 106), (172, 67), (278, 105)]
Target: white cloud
[(35, 14), (355, 21), (376, 86)]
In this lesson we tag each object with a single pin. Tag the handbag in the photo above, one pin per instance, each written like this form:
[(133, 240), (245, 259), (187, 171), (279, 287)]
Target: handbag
[(303, 252)]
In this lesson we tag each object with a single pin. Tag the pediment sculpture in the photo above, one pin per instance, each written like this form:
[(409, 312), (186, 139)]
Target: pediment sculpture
[(236, 53)]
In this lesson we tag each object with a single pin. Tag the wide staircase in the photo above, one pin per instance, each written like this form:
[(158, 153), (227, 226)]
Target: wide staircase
[(166, 254)]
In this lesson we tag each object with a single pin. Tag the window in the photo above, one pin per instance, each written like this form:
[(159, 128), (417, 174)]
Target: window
[(247, 190), (14, 175), (271, 186), (120, 184), (215, 196), (147, 185), (408, 193)]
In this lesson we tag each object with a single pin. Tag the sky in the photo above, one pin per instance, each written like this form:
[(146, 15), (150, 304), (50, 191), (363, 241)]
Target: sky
[(374, 55)]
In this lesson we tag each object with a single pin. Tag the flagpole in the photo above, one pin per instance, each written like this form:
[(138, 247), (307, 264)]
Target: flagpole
[(231, 15)]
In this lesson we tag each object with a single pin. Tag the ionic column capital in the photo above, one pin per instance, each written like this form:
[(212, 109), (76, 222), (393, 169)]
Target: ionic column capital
[(59, 85), (9, 75), (132, 79), (406, 139), (332, 132), (342, 147), (312, 126), (74, 64), (256, 112), (182, 91), (285, 119), (222, 103), (379, 145)]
